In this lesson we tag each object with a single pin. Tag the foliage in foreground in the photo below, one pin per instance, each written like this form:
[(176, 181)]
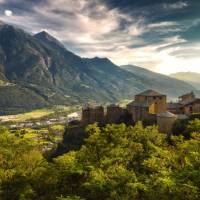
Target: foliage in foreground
[(116, 162)]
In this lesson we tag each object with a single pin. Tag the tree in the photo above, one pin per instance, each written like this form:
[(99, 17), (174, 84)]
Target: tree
[(21, 167)]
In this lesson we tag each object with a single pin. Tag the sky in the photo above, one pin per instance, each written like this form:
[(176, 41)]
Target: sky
[(160, 35)]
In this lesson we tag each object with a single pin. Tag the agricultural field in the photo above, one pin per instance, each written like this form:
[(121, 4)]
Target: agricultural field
[(39, 113), (27, 116)]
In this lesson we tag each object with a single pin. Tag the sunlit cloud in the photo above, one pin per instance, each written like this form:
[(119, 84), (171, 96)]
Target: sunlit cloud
[(8, 13), (176, 5)]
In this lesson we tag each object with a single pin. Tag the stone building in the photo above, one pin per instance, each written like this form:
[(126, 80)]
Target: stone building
[(114, 113), (187, 98), (165, 122), (92, 114), (188, 104), (192, 107), (147, 103), (175, 108)]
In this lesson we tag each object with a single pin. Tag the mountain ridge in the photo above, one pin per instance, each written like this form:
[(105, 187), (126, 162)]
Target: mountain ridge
[(42, 67), (158, 79), (192, 78)]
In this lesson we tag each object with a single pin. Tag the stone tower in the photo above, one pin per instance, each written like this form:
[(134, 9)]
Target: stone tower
[(147, 103), (92, 114), (114, 113), (165, 122)]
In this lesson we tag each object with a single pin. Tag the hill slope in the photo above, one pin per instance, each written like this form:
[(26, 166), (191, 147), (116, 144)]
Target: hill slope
[(40, 69), (163, 83), (189, 77)]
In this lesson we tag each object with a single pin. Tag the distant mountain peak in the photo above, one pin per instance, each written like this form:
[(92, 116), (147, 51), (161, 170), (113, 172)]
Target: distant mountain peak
[(43, 34), (185, 73), (192, 78), (47, 38), (102, 60), (12, 33)]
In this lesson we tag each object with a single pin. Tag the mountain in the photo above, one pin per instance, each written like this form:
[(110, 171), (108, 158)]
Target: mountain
[(189, 77), (37, 71), (163, 83)]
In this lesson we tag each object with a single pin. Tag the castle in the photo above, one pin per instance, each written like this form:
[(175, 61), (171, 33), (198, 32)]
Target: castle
[(188, 104), (92, 114), (147, 106)]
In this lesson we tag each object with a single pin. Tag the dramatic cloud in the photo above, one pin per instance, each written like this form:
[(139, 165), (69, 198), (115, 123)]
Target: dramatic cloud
[(156, 35), (177, 5), (8, 13)]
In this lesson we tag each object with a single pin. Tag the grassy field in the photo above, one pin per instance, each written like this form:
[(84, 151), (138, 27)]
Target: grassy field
[(43, 135), (36, 114)]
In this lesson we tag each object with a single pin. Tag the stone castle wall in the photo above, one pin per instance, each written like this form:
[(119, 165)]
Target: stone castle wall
[(93, 114), (113, 114)]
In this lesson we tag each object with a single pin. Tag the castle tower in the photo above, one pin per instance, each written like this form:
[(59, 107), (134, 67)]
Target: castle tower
[(157, 101), (114, 112), (92, 114), (147, 103), (165, 122)]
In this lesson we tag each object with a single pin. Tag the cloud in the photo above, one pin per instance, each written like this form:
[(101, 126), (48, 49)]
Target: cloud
[(162, 24), (91, 28), (8, 13), (175, 6)]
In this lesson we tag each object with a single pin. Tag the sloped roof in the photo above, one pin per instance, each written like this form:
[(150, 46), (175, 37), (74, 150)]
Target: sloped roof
[(167, 115), (189, 93), (150, 93), (196, 93)]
